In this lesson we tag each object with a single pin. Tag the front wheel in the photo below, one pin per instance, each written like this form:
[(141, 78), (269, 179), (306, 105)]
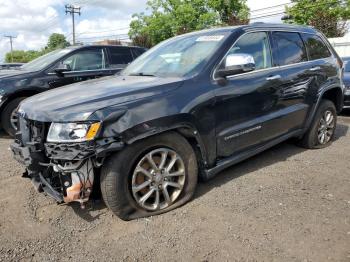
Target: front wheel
[(322, 129), (150, 177), (9, 119)]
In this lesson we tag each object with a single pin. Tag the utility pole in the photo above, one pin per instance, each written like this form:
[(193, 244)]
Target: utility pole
[(11, 37), (71, 9)]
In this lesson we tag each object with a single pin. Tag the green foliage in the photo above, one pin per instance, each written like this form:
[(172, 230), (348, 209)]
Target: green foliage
[(22, 56), (55, 41), (328, 16), (168, 18)]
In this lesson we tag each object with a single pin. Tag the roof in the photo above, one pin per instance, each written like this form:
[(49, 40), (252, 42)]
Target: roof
[(300, 28), (259, 25), (74, 47)]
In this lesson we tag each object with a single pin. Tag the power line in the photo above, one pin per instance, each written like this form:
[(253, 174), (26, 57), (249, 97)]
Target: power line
[(269, 15), (275, 13), (96, 32), (11, 37), (50, 24), (72, 10), (104, 36), (269, 7)]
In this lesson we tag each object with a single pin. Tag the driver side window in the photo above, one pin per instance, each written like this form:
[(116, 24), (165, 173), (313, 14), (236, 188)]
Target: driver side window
[(92, 59), (257, 45)]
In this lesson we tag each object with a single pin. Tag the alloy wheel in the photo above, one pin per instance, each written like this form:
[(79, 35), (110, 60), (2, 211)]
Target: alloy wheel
[(14, 119), (326, 127), (158, 179)]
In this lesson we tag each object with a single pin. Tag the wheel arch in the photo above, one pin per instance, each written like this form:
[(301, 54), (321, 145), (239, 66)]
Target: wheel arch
[(334, 94), (22, 93), (186, 130)]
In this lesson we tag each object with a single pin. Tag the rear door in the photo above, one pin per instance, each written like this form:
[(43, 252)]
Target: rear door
[(297, 82), (322, 64)]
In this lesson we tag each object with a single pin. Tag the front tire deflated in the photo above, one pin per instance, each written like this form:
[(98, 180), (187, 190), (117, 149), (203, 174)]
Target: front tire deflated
[(150, 177)]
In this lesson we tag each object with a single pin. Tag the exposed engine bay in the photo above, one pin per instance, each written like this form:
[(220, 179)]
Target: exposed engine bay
[(66, 172)]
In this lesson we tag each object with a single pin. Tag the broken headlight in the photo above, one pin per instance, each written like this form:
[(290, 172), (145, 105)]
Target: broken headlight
[(72, 132)]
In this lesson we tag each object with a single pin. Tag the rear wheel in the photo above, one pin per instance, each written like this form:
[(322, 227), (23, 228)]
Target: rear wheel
[(150, 177), (9, 119), (322, 129)]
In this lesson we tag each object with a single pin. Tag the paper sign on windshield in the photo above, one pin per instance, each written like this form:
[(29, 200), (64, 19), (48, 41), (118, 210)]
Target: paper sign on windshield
[(210, 38)]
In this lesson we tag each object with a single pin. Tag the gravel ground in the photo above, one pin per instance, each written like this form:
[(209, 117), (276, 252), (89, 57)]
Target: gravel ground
[(286, 204)]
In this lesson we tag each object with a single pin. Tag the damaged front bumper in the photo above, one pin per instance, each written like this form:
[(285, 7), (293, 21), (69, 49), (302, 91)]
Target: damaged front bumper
[(64, 171)]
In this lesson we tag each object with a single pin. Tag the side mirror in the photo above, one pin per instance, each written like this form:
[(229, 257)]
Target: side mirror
[(236, 64), (62, 68)]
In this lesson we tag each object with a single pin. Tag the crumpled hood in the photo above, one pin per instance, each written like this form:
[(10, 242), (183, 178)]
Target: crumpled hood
[(78, 101)]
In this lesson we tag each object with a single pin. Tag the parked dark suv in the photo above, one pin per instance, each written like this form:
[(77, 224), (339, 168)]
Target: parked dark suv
[(58, 68), (186, 109)]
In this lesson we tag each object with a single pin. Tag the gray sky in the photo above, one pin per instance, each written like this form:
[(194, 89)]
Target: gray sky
[(33, 21)]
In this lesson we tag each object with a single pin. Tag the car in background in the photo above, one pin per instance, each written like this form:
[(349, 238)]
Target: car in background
[(346, 79), (8, 66), (59, 68)]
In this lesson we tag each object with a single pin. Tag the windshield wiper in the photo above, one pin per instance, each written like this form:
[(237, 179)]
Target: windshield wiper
[(142, 74)]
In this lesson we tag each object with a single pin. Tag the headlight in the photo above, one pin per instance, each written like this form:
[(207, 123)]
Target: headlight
[(72, 132)]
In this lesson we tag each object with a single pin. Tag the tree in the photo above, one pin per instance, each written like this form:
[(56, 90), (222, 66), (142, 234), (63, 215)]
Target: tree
[(168, 18), (231, 12), (57, 41), (21, 56), (328, 16)]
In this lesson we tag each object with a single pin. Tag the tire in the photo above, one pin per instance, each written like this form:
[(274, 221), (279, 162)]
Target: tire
[(119, 177), (6, 116), (313, 137)]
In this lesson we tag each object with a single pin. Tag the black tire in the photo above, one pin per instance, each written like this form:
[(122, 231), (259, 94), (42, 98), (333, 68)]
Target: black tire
[(311, 140), (6, 116), (118, 169)]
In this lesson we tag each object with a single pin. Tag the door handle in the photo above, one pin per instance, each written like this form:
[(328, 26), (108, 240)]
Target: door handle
[(275, 77), (316, 68)]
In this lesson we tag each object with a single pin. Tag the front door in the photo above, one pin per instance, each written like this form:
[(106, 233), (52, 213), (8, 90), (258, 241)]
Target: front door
[(84, 64), (246, 103)]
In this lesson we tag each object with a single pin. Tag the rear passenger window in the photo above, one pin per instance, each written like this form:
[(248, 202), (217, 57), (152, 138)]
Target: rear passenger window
[(138, 51), (315, 47), (290, 48), (256, 45), (120, 55)]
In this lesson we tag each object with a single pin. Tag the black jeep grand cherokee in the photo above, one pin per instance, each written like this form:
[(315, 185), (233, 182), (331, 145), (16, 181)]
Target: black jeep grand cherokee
[(187, 108), (58, 68)]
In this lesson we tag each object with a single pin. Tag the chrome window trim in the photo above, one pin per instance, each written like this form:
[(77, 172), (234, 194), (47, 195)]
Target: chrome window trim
[(82, 71), (270, 68)]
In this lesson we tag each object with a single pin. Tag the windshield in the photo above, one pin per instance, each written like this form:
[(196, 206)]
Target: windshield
[(45, 60), (177, 57)]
